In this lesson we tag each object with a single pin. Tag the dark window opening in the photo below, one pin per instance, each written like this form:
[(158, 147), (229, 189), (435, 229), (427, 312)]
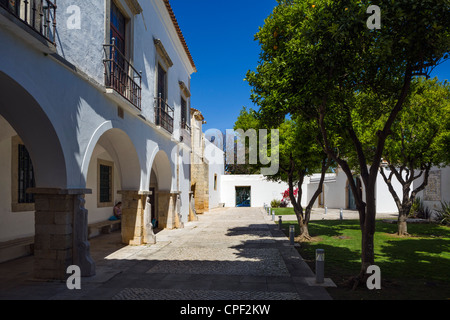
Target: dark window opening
[(25, 176), (105, 183)]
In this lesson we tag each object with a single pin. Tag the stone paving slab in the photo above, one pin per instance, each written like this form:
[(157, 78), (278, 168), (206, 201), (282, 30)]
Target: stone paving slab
[(229, 254), (193, 295)]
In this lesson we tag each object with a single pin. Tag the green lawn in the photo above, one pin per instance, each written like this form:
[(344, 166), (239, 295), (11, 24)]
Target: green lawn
[(283, 211), (415, 267)]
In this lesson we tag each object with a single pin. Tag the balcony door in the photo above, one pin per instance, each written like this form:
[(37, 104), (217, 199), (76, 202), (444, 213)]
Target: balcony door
[(162, 75), (161, 112), (117, 28), (117, 31)]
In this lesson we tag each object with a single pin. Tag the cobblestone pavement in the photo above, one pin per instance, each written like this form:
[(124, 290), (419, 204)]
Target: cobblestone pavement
[(229, 254), (154, 294)]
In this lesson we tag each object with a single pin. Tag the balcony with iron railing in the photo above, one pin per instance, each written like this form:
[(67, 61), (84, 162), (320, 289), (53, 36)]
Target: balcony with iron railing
[(37, 15), (121, 76), (164, 115)]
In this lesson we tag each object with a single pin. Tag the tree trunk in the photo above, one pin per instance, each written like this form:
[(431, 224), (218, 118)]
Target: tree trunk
[(367, 239), (402, 218), (304, 232)]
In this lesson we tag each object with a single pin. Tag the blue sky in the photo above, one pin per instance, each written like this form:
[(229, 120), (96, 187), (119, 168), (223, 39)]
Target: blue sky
[(220, 37)]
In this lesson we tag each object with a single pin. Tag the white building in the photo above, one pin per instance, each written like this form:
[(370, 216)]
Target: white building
[(438, 189), (336, 192), (94, 105)]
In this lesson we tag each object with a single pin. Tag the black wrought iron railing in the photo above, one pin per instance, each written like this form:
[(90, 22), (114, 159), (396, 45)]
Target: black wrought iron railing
[(164, 115), (40, 15), (121, 76)]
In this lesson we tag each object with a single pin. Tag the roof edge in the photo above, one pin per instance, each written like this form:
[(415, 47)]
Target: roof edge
[(180, 34)]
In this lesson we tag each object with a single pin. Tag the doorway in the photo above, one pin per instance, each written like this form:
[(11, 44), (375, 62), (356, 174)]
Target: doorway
[(351, 197), (243, 197)]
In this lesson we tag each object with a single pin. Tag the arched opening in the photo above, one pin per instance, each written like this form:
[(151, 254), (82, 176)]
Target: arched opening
[(163, 202), (31, 156), (152, 199), (112, 173)]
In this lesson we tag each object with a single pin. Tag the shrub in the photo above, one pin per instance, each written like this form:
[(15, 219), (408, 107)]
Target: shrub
[(443, 214), (275, 203), (418, 210)]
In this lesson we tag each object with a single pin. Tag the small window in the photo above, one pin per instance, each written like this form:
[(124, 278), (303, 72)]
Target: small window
[(25, 176), (105, 183), (215, 182), (184, 122)]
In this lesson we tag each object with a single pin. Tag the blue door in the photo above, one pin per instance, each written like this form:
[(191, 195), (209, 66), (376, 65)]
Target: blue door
[(243, 198)]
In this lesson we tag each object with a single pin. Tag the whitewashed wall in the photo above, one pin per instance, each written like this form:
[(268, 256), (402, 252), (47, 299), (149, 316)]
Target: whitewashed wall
[(72, 99), (439, 195), (215, 158), (262, 191), (11, 223)]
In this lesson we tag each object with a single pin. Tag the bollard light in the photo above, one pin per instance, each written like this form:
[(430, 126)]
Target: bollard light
[(273, 215), (280, 222), (341, 215), (292, 235), (326, 209), (320, 266)]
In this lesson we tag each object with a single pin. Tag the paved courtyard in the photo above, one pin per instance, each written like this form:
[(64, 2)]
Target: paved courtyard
[(229, 254)]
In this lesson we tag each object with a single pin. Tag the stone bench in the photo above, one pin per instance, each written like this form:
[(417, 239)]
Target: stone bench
[(103, 227), (16, 248)]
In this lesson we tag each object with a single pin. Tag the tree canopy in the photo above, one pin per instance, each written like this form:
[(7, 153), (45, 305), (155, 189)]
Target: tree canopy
[(319, 59)]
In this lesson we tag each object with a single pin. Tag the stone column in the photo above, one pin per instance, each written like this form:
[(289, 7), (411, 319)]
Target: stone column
[(165, 210), (149, 235), (192, 213), (178, 219), (169, 210), (61, 233), (137, 228)]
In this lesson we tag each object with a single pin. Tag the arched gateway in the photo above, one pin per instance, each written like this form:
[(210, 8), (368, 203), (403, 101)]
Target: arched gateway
[(60, 236)]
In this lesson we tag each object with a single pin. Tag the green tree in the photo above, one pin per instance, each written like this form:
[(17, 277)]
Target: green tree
[(300, 155), (318, 56), (245, 121), (417, 143)]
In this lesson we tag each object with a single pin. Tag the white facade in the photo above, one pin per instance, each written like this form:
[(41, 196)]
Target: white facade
[(335, 195), (262, 190), (438, 189), (215, 159), (54, 97)]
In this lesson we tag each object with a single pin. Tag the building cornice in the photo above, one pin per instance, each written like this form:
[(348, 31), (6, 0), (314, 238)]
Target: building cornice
[(162, 52), (134, 6)]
